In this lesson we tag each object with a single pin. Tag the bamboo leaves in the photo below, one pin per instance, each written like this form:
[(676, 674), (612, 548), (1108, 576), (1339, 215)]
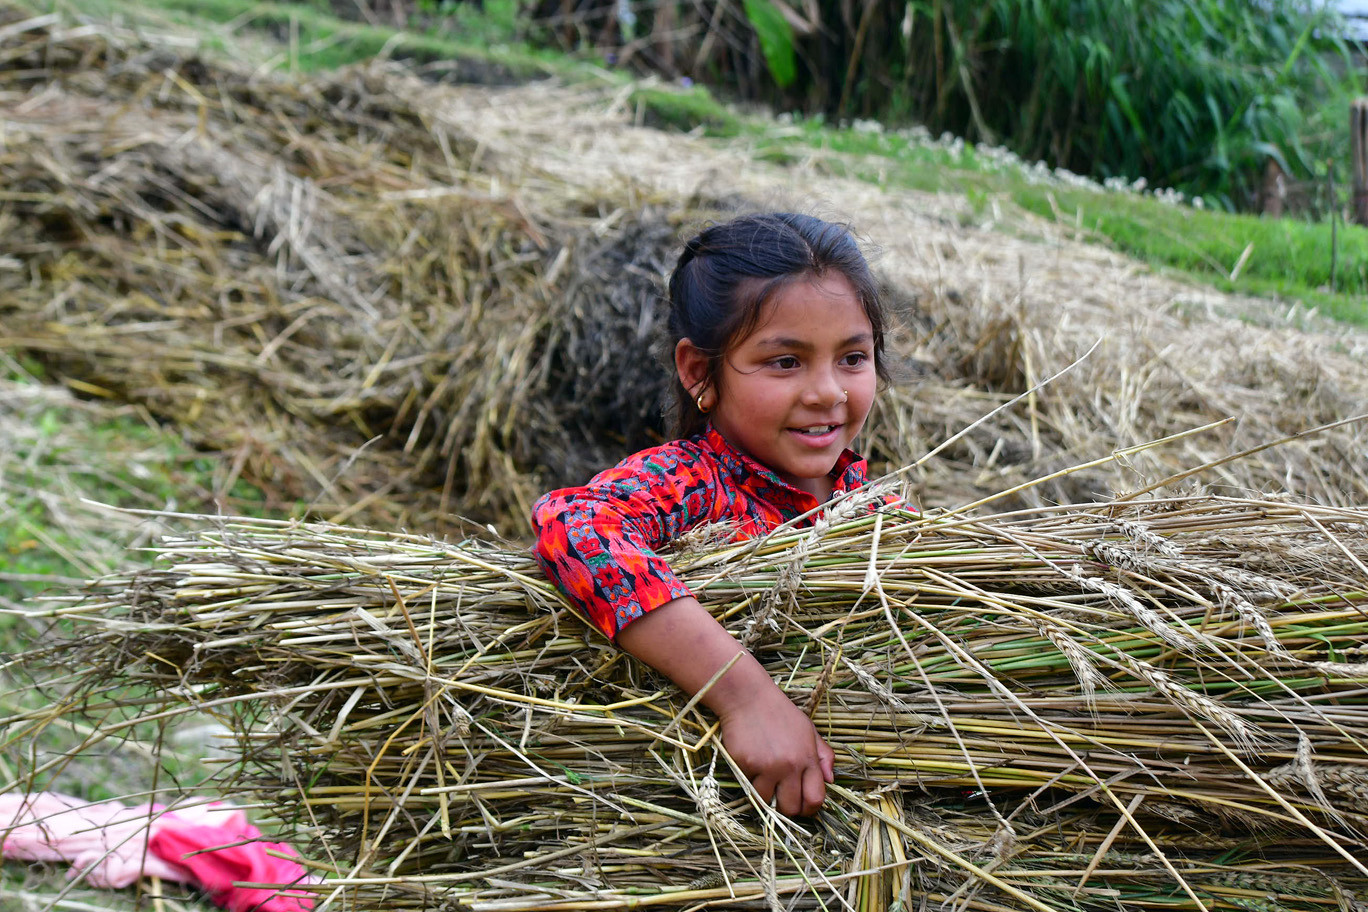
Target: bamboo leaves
[(776, 39)]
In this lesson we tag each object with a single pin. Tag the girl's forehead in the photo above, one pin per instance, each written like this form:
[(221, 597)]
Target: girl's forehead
[(813, 300)]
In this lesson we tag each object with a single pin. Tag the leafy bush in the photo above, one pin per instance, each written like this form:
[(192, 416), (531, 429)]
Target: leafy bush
[(1193, 94)]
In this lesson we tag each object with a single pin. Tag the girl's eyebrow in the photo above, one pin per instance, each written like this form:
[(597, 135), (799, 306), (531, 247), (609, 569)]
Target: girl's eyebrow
[(802, 345)]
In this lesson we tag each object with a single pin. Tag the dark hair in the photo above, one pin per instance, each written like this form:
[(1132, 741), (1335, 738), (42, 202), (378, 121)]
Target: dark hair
[(729, 271)]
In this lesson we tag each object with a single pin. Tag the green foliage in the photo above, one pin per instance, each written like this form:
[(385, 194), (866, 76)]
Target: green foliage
[(1193, 94), (1321, 265), (776, 40), (686, 110)]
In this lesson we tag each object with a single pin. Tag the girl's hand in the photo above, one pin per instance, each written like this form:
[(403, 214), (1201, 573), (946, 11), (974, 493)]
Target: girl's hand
[(773, 741), (779, 750)]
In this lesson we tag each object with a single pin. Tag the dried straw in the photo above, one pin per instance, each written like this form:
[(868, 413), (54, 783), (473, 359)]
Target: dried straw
[(394, 303), (318, 281), (1063, 708)]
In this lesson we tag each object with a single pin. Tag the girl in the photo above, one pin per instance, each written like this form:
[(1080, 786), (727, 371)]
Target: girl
[(777, 335)]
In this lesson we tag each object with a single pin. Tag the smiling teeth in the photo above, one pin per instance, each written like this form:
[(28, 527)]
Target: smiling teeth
[(816, 429)]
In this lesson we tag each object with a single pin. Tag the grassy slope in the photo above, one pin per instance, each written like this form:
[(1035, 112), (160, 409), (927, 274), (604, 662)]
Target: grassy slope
[(1286, 259)]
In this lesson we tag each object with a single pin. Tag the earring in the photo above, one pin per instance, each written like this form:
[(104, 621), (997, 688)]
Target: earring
[(698, 401)]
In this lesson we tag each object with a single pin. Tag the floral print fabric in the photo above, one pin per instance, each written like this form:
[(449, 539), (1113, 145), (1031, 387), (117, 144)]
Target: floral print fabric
[(598, 542)]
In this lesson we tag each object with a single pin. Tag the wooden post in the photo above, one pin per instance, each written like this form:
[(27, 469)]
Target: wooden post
[(1273, 193), (1358, 142), (1334, 224)]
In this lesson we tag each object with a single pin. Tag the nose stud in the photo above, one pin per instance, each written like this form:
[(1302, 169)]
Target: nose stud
[(845, 396)]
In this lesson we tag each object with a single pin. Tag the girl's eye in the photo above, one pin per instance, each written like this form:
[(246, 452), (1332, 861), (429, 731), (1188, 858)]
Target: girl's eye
[(855, 359), (785, 362)]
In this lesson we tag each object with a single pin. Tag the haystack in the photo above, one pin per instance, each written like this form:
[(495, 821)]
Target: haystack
[(399, 303), (1151, 702), (318, 282)]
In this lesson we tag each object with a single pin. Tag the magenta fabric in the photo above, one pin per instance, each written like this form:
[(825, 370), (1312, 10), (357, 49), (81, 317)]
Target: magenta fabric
[(235, 855)]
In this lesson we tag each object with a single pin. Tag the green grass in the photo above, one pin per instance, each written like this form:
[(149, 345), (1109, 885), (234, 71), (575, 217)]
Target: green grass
[(61, 452), (686, 110), (58, 451), (1289, 259), (35, 887), (306, 37), (1321, 266)]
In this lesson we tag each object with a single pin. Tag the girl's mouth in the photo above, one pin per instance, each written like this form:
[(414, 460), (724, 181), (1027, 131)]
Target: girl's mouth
[(817, 435)]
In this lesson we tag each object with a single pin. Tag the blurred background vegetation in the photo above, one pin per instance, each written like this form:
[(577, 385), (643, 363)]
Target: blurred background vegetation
[(1203, 96), (1239, 108)]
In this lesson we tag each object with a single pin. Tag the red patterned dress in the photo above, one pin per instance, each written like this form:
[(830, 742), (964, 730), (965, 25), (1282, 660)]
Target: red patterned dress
[(598, 542)]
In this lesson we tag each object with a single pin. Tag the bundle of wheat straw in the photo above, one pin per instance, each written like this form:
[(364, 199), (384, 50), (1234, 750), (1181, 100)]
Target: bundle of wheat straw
[(1079, 707)]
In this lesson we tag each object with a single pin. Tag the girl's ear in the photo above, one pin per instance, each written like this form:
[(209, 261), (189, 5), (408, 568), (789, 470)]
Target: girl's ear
[(691, 364)]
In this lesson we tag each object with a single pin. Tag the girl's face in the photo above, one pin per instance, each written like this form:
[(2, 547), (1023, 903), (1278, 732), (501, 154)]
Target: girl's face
[(794, 393)]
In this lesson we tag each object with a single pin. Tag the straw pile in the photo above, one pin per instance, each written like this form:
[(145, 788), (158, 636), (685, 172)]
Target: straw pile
[(395, 303), (317, 281), (1152, 702)]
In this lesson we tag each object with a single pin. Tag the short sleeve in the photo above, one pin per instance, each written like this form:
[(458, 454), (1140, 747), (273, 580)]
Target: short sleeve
[(598, 542)]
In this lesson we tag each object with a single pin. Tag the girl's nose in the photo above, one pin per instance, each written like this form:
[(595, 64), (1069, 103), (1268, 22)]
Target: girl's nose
[(825, 391)]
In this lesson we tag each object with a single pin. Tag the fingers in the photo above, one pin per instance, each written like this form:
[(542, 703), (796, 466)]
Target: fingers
[(826, 758), (764, 787), (788, 797), (801, 794), (798, 794), (787, 761), (802, 791), (814, 790)]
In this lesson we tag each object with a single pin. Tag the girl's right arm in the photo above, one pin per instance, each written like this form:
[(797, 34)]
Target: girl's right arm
[(597, 543), (772, 740)]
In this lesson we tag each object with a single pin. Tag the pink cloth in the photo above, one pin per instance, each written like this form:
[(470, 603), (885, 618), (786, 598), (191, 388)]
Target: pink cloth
[(111, 845), (249, 862)]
